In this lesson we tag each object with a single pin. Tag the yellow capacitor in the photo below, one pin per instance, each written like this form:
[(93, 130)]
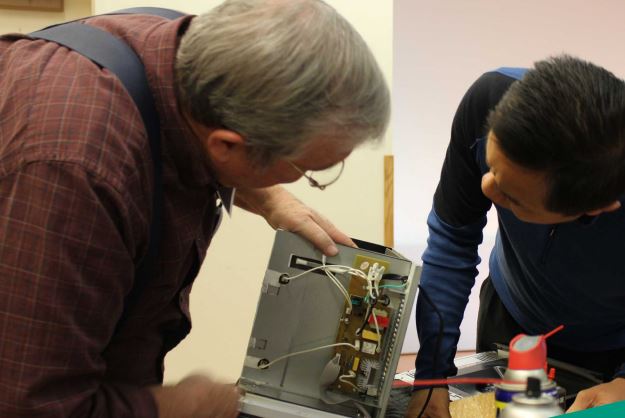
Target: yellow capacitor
[(370, 335), (356, 363)]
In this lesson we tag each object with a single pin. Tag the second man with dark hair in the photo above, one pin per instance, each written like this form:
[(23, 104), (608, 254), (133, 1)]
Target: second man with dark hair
[(547, 147)]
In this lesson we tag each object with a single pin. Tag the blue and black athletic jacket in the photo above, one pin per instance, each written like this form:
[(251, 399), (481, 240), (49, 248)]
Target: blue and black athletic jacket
[(546, 275)]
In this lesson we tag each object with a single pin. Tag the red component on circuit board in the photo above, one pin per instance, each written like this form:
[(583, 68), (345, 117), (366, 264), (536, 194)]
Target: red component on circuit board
[(383, 321)]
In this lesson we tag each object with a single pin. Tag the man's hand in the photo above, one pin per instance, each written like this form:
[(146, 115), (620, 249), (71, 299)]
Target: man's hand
[(438, 407), (605, 393), (282, 210), (197, 396)]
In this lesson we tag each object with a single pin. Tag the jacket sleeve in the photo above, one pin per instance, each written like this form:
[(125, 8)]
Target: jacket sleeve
[(449, 268), (65, 266), (455, 230)]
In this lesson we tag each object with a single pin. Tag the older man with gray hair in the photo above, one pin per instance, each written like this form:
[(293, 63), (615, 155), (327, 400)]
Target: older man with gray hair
[(249, 95)]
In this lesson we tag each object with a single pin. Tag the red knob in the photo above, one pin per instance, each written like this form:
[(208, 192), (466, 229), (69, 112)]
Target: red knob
[(527, 352), (552, 374)]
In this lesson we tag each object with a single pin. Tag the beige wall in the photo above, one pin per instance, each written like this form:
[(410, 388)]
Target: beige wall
[(223, 300), (28, 21)]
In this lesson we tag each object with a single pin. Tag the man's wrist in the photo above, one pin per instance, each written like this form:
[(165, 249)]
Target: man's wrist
[(254, 200), (174, 401), (420, 388), (263, 201)]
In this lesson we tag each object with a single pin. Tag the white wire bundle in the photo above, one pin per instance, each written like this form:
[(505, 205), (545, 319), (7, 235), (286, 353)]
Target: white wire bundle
[(329, 270), (349, 375), (373, 279), (297, 353), (335, 268)]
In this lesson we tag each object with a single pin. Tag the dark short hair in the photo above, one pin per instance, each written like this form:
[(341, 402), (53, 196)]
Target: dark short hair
[(566, 117)]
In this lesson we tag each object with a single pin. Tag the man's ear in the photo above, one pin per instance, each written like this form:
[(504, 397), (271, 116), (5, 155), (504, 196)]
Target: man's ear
[(609, 208), (223, 144)]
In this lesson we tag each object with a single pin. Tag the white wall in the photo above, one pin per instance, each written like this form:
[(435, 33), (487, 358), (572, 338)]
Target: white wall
[(441, 47), (223, 301)]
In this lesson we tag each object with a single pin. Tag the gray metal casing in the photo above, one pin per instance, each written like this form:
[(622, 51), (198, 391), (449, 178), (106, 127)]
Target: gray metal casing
[(304, 314)]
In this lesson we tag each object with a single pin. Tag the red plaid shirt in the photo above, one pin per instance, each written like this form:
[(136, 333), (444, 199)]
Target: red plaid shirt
[(75, 205)]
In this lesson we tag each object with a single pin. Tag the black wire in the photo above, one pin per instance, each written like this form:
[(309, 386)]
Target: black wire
[(391, 276), (438, 346), (367, 315)]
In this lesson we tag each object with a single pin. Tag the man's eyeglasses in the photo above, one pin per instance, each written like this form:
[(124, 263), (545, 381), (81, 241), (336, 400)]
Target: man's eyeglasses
[(324, 177)]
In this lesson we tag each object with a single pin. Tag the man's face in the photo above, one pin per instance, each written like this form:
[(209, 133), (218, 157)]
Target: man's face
[(517, 188)]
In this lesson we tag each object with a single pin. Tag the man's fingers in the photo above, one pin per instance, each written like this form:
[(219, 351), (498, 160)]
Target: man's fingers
[(341, 238), (306, 222), (577, 406), (333, 232), (583, 401), (314, 233)]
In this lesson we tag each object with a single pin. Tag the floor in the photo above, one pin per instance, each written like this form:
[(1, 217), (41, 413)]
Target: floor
[(406, 361)]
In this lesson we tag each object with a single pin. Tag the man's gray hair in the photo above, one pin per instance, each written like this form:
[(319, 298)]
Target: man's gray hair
[(281, 73)]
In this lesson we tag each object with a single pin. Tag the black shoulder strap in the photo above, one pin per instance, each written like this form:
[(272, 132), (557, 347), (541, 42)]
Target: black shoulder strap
[(156, 11), (112, 53)]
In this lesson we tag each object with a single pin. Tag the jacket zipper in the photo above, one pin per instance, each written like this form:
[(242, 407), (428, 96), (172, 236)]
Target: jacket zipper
[(550, 239)]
